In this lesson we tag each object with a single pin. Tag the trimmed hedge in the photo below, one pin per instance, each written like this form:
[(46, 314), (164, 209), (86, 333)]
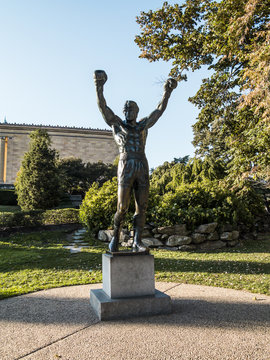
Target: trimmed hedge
[(39, 217), (8, 197)]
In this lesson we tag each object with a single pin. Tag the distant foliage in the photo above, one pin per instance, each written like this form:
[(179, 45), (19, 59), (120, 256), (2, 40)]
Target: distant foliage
[(37, 183), (77, 176)]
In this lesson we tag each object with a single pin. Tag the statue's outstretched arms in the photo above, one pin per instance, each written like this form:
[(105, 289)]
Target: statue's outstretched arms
[(149, 121), (100, 77)]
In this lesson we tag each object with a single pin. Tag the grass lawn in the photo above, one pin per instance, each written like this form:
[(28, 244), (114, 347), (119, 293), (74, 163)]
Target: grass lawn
[(35, 261)]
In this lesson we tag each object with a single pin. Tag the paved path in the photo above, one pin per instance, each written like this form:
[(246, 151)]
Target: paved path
[(206, 323)]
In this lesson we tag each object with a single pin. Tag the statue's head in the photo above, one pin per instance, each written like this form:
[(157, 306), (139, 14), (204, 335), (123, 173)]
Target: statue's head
[(131, 110)]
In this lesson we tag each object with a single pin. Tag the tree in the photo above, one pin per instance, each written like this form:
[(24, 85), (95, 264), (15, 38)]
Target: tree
[(77, 177), (73, 175), (37, 183), (232, 38)]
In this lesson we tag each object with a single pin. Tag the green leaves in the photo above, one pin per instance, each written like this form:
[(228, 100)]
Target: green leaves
[(37, 184), (77, 176), (233, 39)]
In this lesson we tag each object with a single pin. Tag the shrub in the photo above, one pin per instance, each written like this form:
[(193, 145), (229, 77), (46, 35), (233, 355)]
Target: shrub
[(208, 201), (8, 197), (39, 217), (192, 204), (37, 184), (99, 205)]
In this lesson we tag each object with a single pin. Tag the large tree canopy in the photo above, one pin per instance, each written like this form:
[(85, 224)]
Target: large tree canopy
[(231, 37)]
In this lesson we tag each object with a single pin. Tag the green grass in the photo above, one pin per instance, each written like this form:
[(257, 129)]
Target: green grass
[(36, 261)]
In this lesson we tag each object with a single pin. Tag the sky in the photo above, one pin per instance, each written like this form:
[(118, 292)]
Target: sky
[(49, 51)]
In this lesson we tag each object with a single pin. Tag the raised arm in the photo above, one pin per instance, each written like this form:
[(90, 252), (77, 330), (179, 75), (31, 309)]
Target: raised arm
[(149, 121), (100, 77)]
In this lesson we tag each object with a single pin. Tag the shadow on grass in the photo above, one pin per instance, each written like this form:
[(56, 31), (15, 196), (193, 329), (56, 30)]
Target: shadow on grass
[(211, 266), (50, 258)]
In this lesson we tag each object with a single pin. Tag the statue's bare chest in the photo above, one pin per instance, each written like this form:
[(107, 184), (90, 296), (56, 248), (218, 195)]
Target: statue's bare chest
[(130, 138)]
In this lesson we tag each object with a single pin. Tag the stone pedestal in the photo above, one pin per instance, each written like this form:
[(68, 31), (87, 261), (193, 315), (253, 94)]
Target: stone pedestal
[(128, 288)]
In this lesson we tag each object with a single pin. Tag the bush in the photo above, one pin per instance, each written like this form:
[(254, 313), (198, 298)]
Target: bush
[(99, 205), (8, 197), (192, 204), (204, 202), (39, 218), (38, 183)]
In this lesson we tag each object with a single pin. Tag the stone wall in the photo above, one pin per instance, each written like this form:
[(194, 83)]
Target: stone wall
[(88, 144), (205, 237)]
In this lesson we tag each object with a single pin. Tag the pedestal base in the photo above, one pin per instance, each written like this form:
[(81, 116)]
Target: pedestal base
[(128, 275), (128, 288), (107, 308)]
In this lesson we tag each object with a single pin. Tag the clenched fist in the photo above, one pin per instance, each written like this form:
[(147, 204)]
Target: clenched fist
[(100, 77), (170, 84)]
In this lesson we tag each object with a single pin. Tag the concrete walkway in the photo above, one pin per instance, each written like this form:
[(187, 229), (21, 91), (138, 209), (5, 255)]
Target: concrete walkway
[(206, 323)]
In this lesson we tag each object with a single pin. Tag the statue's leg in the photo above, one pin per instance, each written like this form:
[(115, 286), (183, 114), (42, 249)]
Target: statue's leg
[(119, 217), (141, 199)]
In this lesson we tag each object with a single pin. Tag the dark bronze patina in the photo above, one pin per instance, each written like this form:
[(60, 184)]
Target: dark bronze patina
[(133, 172)]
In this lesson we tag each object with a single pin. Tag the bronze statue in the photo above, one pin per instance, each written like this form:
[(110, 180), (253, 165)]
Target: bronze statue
[(133, 172)]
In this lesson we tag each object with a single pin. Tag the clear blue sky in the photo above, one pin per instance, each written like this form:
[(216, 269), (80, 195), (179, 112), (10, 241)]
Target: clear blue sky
[(49, 50)]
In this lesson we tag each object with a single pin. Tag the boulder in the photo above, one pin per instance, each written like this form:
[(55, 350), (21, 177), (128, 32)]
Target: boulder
[(181, 229), (187, 247), (164, 237), (235, 235), (207, 228), (173, 230), (173, 248), (213, 236), (232, 243), (151, 242), (175, 240), (226, 228), (226, 236), (158, 236), (127, 243), (105, 235), (146, 233), (198, 238), (212, 245)]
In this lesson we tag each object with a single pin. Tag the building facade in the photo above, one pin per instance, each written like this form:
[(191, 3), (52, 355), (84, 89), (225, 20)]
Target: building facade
[(90, 145)]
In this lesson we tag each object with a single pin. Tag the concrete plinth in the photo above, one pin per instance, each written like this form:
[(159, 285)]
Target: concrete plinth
[(128, 275), (109, 309), (128, 288)]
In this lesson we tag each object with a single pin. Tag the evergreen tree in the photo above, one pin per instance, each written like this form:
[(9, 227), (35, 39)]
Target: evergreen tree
[(37, 184)]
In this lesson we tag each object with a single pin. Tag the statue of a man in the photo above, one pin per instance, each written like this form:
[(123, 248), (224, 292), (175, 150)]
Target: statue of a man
[(133, 171)]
